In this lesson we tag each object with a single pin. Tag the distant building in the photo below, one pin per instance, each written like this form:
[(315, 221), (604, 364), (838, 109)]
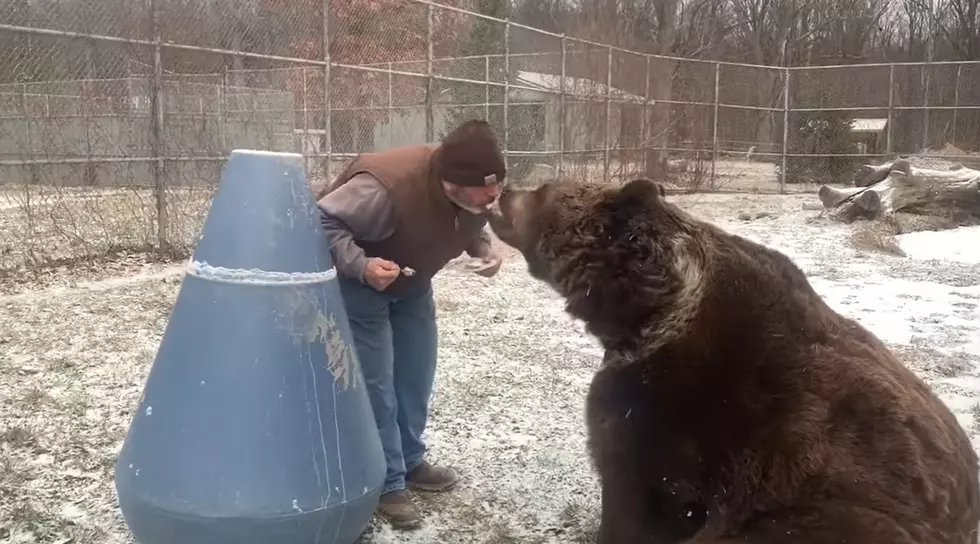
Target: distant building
[(534, 117), (869, 135)]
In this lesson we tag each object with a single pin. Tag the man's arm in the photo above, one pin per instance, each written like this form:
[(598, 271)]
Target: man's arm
[(362, 209)]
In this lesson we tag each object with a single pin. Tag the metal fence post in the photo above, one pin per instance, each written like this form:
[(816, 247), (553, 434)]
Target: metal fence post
[(391, 105), (33, 168), (507, 92), (956, 99), (645, 116), (430, 83), (27, 120), (714, 127), (306, 123), (561, 107), (782, 177), (327, 123), (486, 89), (925, 106), (156, 131), (891, 109), (87, 96), (223, 110), (608, 143)]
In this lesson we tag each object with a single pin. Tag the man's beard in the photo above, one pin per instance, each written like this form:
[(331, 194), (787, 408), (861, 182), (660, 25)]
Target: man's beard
[(471, 208), (475, 210)]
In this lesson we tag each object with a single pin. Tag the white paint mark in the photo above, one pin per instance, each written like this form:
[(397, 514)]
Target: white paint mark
[(149, 410), (310, 325), (343, 514), (256, 276), (319, 420), (340, 455)]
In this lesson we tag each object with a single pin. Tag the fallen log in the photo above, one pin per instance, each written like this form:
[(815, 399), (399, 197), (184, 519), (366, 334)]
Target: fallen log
[(899, 186)]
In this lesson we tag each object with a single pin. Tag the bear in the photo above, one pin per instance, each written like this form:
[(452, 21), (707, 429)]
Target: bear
[(732, 403)]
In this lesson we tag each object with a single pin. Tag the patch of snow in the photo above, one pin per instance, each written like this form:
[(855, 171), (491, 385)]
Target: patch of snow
[(901, 311), (957, 245), (163, 273)]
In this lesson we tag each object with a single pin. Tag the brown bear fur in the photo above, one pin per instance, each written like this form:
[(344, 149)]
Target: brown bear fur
[(734, 405)]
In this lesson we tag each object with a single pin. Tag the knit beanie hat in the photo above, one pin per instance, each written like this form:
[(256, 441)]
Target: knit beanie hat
[(470, 157)]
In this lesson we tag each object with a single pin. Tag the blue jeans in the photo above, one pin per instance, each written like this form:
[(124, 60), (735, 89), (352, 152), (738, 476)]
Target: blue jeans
[(396, 342)]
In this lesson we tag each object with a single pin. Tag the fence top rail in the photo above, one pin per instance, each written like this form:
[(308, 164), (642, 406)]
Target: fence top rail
[(545, 53), (316, 62), (681, 59), (889, 64)]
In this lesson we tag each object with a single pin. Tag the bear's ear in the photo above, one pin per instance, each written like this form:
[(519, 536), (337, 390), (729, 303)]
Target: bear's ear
[(642, 190)]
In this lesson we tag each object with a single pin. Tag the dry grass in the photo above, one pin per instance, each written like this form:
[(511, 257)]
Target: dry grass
[(910, 222), (42, 226), (878, 237)]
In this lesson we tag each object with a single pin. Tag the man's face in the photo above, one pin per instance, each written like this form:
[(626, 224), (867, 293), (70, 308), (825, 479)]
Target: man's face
[(476, 200)]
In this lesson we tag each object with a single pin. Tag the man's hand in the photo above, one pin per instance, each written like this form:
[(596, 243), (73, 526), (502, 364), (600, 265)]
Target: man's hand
[(379, 273), (488, 264)]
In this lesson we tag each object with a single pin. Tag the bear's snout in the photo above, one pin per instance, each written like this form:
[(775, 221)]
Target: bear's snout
[(503, 218)]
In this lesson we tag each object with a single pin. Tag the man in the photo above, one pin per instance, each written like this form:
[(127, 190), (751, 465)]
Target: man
[(395, 219)]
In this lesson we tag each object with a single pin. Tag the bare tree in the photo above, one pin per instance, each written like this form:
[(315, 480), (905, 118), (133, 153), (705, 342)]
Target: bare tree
[(768, 32), (959, 23)]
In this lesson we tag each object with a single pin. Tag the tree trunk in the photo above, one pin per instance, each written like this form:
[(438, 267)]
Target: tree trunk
[(898, 186), (661, 90)]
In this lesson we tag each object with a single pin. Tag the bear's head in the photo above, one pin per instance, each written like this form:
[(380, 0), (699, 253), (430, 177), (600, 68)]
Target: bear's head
[(610, 251)]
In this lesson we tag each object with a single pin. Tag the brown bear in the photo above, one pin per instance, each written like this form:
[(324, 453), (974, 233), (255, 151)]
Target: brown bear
[(733, 405)]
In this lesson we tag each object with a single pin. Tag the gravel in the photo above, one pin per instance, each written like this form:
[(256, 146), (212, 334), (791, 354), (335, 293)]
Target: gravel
[(508, 403)]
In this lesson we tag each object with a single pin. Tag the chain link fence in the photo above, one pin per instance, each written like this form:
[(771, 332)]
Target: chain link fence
[(841, 117), (116, 117)]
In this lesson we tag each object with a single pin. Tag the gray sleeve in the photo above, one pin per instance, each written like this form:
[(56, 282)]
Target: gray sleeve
[(361, 209)]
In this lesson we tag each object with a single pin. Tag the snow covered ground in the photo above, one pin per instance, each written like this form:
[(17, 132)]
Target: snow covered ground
[(957, 245)]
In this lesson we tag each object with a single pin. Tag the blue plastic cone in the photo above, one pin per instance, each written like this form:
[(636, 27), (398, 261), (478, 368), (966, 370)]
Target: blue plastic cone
[(254, 426)]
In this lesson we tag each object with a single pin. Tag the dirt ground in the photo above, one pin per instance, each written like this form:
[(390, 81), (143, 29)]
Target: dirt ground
[(507, 409)]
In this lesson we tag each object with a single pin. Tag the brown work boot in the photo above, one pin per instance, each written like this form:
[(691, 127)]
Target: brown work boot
[(398, 509), (428, 477)]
